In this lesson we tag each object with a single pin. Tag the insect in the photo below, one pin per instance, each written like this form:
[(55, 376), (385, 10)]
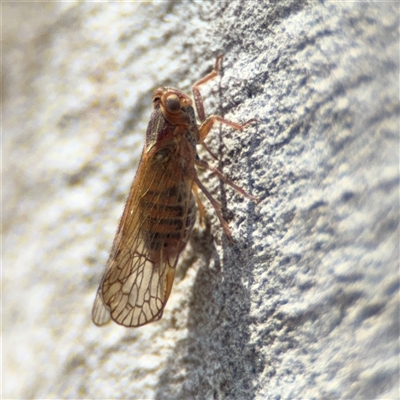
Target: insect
[(160, 210)]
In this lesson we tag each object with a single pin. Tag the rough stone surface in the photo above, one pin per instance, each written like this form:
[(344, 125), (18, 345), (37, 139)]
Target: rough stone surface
[(306, 303)]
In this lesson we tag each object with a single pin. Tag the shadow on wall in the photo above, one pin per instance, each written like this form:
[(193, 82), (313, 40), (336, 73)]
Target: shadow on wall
[(216, 359)]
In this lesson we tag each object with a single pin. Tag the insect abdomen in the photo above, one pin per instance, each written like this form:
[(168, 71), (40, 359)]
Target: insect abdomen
[(170, 217)]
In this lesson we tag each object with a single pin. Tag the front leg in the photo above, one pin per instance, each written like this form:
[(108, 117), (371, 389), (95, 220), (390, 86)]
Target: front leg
[(198, 100), (207, 124)]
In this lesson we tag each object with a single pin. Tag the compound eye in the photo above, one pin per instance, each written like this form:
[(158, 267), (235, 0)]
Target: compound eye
[(172, 103)]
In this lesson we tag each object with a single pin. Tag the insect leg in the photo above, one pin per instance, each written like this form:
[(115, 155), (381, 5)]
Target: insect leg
[(207, 125), (198, 101), (209, 150), (216, 206), (200, 205), (204, 164)]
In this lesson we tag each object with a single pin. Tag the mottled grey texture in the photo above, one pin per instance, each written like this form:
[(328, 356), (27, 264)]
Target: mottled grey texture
[(306, 303)]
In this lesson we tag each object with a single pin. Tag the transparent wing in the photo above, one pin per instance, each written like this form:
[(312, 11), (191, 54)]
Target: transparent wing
[(134, 292), (100, 314), (141, 268)]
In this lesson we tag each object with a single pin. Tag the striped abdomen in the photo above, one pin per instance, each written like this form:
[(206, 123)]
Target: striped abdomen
[(169, 216)]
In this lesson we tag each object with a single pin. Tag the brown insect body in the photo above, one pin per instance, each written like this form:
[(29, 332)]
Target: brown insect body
[(166, 173), (159, 213)]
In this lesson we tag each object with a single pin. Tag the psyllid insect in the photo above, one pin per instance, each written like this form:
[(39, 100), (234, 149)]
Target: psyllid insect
[(160, 210)]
